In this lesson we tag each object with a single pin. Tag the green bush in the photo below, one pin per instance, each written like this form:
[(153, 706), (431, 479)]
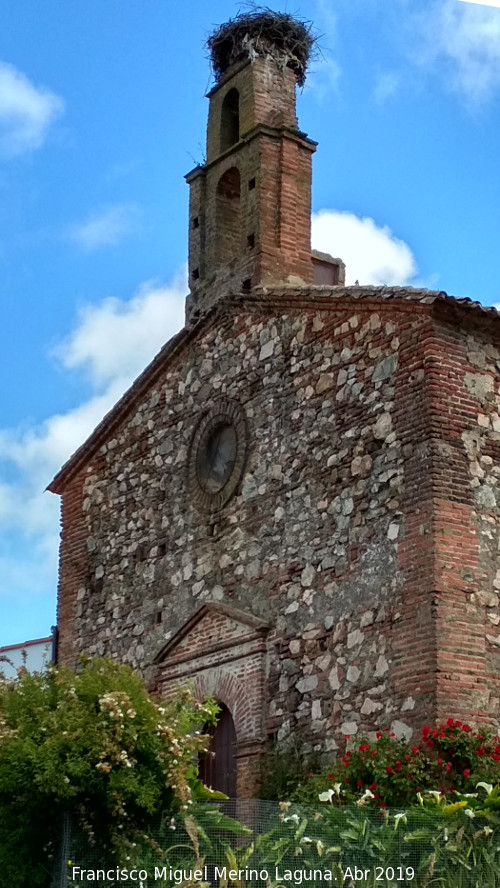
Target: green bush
[(94, 745), (451, 757), (451, 843)]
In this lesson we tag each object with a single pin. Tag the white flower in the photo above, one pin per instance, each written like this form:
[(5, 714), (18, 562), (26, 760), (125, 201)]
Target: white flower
[(293, 817), (487, 830), (437, 795), (338, 788), (469, 813), (364, 798), (398, 817), (326, 796), (488, 787)]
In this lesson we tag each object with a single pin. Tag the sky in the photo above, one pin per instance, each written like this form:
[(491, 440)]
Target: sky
[(103, 112)]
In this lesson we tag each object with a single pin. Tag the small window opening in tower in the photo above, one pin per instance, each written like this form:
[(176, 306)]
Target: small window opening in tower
[(228, 217), (230, 120)]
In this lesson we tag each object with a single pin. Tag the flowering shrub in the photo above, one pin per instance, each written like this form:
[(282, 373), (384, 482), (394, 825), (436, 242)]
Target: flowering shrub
[(94, 745), (450, 757)]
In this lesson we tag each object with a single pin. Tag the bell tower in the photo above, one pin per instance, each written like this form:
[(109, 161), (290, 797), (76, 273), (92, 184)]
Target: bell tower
[(250, 202)]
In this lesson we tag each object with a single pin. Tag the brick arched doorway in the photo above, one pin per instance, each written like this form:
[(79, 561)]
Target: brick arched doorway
[(218, 764), (222, 653)]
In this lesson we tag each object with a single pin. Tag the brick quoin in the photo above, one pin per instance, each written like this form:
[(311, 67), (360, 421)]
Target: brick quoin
[(351, 580)]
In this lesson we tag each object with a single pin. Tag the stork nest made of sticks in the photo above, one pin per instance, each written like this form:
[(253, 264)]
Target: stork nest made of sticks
[(262, 32)]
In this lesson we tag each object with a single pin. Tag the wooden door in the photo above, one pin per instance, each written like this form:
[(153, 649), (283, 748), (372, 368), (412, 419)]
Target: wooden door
[(219, 770)]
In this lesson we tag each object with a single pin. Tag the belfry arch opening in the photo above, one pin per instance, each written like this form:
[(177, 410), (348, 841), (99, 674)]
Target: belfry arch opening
[(218, 764), (228, 216), (230, 119)]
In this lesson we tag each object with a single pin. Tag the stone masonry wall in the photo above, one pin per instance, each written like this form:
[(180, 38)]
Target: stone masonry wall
[(310, 542)]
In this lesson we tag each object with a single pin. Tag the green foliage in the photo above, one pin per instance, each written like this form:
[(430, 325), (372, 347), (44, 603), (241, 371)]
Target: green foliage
[(95, 745), (450, 757), (437, 841), (282, 768)]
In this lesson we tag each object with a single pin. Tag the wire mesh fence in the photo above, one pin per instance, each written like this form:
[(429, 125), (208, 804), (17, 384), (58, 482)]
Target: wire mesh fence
[(257, 844)]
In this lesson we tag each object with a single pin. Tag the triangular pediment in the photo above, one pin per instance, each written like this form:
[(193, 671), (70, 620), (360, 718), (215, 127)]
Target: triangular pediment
[(211, 627), (261, 300)]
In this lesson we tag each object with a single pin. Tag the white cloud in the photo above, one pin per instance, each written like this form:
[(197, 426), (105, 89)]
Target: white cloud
[(26, 112), (115, 339), (465, 39), (112, 342), (324, 72), (105, 228), (372, 254), (385, 87)]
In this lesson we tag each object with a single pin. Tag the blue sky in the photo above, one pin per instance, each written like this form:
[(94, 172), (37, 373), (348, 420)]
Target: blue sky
[(102, 112)]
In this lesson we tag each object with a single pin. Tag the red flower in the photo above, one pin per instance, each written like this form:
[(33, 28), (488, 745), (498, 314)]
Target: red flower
[(374, 751), (450, 722), (373, 786), (425, 730), (466, 728), (414, 750), (383, 804), (481, 751), (364, 747), (388, 769), (392, 734), (397, 765), (378, 735), (331, 776), (359, 783), (347, 779), (448, 766), (466, 772), (458, 724), (495, 757)]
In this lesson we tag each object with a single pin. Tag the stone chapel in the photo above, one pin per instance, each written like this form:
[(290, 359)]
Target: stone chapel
[(296, 506)]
